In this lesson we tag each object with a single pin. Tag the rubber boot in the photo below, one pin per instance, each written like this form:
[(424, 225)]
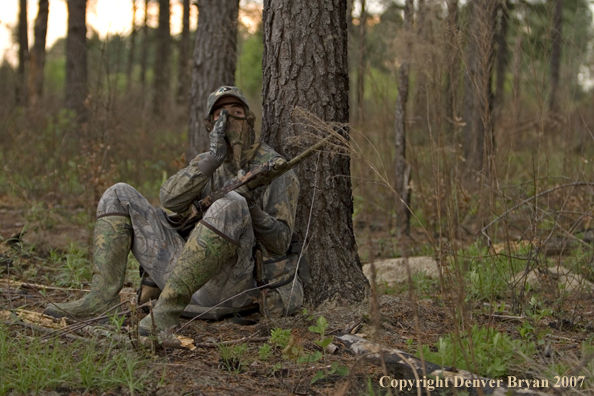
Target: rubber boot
[(147, 291), (112, 239), (205, 253)]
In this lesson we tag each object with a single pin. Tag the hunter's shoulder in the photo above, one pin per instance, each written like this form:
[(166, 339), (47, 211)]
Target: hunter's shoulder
[(265, 153)]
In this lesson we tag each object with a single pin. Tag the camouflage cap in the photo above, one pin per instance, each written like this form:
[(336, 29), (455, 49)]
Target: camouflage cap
[(221, 93)]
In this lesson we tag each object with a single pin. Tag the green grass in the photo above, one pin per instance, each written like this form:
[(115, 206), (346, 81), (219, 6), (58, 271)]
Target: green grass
[(30, 366)]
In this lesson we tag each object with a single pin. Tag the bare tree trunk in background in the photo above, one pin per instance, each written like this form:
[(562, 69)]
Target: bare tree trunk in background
[(215, 58), (453, 71), (21, 86), (162, 65), (304, 66), (132, 48), (37, 60), (76, 57), (502, 50), (424, 40), (478, 96), (556, 41), (184, 45), (402, 168), (349, 15), (361, 59), (144, 49)]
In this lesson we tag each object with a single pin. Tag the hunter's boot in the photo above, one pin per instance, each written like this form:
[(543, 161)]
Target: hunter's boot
[(112, 239), (203, 256)]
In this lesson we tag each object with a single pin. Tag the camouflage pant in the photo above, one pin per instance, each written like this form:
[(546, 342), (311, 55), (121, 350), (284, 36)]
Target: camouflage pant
[(157, 246)]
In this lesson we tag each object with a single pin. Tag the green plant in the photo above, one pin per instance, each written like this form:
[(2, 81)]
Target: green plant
[(265, 352), (280, 337), (232, 358), (492, 351), (320, 328), (335, 368)]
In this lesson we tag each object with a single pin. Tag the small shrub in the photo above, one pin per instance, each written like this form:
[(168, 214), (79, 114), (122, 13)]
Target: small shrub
[(493, 351)]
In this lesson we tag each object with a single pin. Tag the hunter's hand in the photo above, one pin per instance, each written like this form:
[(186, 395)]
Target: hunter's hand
[(218, 144), (250, 195), (218, 147)]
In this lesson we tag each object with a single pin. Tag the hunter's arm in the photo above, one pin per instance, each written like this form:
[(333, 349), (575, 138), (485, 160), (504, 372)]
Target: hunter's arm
[(275, 222), (181, 189)]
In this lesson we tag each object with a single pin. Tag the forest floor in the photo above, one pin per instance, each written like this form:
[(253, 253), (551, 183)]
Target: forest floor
[(243, 369)]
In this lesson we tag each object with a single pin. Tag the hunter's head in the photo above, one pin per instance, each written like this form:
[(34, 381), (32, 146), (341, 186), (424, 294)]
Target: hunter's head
[(240, 121)]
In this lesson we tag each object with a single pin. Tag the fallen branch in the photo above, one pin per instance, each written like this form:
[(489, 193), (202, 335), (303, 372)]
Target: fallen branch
[(404, 366), (233, 342)]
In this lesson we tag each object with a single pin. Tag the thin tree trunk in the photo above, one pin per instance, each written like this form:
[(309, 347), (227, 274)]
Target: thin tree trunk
[(162, 67), (304, 66), (556, 41), (132, 48), (214, 63), (184, 44), (144, 49), (501, 62), (361, 59), (402, 168), (349, 15), (76, 57), (21, 86), (478, 95), (37, 60), (424, 39), (453, 70)]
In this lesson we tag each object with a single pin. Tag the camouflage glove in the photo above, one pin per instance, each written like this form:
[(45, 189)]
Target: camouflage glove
[(218, 146), (250, 195)]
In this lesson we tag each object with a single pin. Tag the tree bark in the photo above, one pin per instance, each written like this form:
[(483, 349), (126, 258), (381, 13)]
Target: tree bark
[(76, 57), (132, 48), (144, 49), (424, 33), (361, 59), (556, 41), (21, 86), (402, 168), (453, 70), (37, 60), (305, 65), (162, 67), (502, 58), (214, 64), (184, 45), (478, 95)]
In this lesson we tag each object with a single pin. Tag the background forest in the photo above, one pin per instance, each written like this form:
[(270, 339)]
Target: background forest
[(471, 144)]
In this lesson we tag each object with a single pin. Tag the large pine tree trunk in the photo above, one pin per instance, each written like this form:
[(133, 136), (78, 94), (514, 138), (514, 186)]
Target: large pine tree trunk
[(556, 54), (76, 57), (21, 86), (214, 63), (162, 64), (184, 45), (402, 169), (37, 60), (305, 64)]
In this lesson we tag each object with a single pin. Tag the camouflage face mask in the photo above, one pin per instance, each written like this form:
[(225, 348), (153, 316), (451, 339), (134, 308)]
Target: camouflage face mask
[(240, 135)]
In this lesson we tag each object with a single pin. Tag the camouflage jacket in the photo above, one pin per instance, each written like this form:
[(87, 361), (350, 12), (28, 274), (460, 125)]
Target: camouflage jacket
[(278, 200)]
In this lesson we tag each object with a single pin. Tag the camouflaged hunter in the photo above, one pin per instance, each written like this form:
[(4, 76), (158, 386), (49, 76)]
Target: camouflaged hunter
[(212, 261)]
